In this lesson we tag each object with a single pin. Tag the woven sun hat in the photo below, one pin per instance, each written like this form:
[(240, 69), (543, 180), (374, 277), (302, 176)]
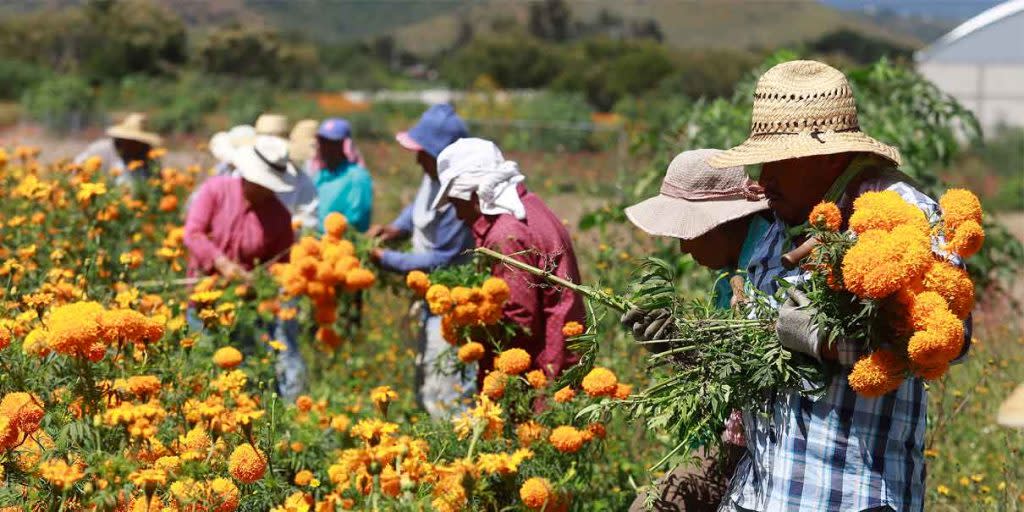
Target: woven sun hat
[(223, 145), (266, 163), (1011, 413), (302, 140), (803, 108), (133, 127), (272, 124), (696, 198)]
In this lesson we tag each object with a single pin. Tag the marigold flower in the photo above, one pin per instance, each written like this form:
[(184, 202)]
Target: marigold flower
[(572, 329), (74, 328), (168, 203), (168, 463), (471, 352), (597, 430), (879, 373), (335, 224), (940, 343), (622, 391), (881, 262), (826, 215), (953, 284), (247, 464), (149, 479), (958, 206), (502, 463), (494, 384), (567, 439), (227, 357), (418, 282), (967, 239), (486, 414), (9, 436), (304, 403), (496, 290), (60, 474), (537, 379), (439, 299), (373, 430), (932, 373), (24, 410), (328, 336), (564, 395), (513, 361), (359, 279), (223, 493), (600, 382), (885, 210), (529, 432), (536, 493), (382, 396), (303, 477), (489, 313)]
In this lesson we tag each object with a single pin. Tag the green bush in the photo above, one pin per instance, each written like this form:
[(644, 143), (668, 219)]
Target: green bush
[(64, 103), (16, 77), (512, 61)]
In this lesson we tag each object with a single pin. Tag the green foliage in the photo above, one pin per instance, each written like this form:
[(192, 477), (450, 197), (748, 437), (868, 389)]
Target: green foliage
[(513, 61), (862, 48), (17, 76), (60, 103), (242, 51)]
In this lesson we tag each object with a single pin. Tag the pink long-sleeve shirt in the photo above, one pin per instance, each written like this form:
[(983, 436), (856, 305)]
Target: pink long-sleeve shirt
[(221, 222), (538, 307)]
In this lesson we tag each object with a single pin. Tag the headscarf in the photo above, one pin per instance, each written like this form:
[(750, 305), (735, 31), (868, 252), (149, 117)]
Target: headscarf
[(477, 165)]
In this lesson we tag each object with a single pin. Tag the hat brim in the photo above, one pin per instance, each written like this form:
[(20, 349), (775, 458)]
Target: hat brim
[(406, 141), (678, 218), (120, 132), (441, 199), (252, 169), (762, 149), (221, 147)]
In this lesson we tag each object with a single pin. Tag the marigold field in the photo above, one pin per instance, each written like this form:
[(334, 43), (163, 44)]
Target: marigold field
[(110, 401)]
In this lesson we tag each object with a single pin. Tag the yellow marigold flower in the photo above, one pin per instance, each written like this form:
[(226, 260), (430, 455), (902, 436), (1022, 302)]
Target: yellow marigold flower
[(567, 439), (529, 432), (60, 474), (572, 329), (223, 493), (92, 164), (373, 430), (622, 391), (537, 379), (335, 224), (74, 328), (382, 396), (494, 385), (885, 210), (513, 361), (36, 342), (247, 464), (418, 282), (882, 262), (486, 415), (340, 423), (502, 463), (168, 463), (496, 290), (826, 215), (489, 313), (196, 440), (967, 239), (9, 436), (471, 352), (303, 477), (958, 206), (536, 493), (227, 357), (461, 295), (129, 326), (24, 410), (439, 299), (359, 279), (149, 479), (953, 284), (564, 395), (87, 191), (877, 374), (143, 385), (600, 382)]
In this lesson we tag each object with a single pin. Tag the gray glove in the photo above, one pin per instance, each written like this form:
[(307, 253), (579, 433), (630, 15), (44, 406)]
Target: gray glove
[(650, 326), (796, 327)]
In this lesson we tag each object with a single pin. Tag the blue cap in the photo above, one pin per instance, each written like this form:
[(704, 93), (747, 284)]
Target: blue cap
[(438, 127), (334, 128)]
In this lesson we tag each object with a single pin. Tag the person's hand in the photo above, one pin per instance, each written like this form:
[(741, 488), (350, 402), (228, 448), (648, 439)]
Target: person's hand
[(230, 269), (384, 233), (376, 254), (796, 327), (650, 326)]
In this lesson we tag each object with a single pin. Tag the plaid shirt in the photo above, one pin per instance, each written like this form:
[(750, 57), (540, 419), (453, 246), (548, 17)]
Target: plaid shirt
[(840, 451)]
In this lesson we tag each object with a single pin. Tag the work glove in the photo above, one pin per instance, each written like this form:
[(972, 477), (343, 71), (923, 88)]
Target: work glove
[(650, 326), (796, 327)]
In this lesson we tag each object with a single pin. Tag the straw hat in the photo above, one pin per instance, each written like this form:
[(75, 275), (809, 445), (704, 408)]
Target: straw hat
[(302, 140), (1011, 413), (696, 198), (133, 127), (802, 108), (223, 145), (266, 163), (272, 124)]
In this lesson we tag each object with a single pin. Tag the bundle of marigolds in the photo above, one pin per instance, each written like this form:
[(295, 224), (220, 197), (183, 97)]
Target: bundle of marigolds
[(893, 286), (328, 273)]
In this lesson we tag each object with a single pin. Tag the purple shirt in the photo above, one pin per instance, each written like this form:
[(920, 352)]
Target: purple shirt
[(221, 222), (541, 309)]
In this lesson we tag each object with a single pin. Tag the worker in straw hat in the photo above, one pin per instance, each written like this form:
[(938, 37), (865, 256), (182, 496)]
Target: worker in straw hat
[(126, 152), (269, 123), (841, 451)]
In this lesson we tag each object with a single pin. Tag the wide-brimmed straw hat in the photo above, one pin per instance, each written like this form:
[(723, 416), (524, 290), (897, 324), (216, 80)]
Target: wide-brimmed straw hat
[(302, 140), (803, 108), (266, 163), (696, 198), (272, 124), (223, 145), (133, 127)]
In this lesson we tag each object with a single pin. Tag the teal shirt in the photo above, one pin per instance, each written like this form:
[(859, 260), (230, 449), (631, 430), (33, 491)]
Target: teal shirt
[(347, 190), (758, 227)]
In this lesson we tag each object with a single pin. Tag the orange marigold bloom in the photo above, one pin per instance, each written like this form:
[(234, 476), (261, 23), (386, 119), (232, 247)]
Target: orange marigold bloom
[(826, 215), (489, 313), (877, 374), (359, 279), (567, 439), (449, 331), (967, 239), (600, 382), (328, 336), (572, 329), (168, 203), (304, 403), (73, 328), (60, 474), (496, 290), (937, 346), (439, 299), (881, 262), (461, 295), (494, 385), (932, 373), (597, 430), (224, 494), (622, 391), (129, 326), (885, 210), (953, 284), (24, 410), (536, 493), (564, 395), (471, 352), (529, 432), (959, 205), (8, 434), (335, 224), (418, 282), (5, 338), (302, 478), (247, 464), (227, 357), (513, 361), (537, 379)]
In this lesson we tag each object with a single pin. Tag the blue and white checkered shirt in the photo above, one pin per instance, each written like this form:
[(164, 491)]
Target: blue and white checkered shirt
[(838, 452)]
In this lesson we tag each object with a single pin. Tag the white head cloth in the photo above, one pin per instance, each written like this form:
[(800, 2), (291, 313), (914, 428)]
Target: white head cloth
[(477, 165)]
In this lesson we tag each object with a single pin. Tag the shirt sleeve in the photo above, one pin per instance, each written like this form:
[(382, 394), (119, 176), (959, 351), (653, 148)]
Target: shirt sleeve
[(404, 220), (197, 225), (452, 240), (307, 204), (360, 203)]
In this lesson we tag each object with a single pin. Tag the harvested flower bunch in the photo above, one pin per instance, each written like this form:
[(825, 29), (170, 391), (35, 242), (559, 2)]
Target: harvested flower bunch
[(465, 298)]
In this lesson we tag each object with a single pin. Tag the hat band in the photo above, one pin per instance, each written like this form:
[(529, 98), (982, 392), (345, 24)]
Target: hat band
[(750, 191), (280, 168), (815, 134)]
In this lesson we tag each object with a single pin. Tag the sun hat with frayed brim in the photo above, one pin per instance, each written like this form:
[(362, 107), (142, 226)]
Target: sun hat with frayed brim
[(266, 164), (272, 124), (803, 108), (223, 145), (696, 198), (302, 140), (133, 127)]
